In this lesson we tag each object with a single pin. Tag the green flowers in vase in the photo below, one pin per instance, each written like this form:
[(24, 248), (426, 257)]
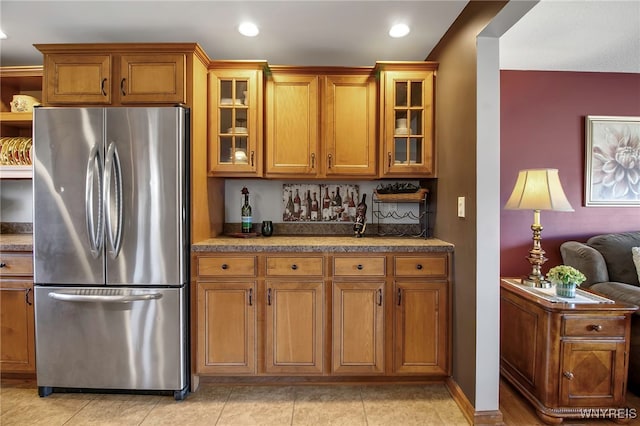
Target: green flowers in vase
[(566, 275)]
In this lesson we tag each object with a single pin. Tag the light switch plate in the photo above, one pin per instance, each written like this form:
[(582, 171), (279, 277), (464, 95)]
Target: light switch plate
[(461, 207)]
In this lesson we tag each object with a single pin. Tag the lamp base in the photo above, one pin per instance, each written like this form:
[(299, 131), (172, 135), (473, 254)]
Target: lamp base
[(536, 281)]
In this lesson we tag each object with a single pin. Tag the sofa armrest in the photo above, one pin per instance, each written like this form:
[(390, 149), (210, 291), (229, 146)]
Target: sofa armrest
[(587, 260), (619, 292)]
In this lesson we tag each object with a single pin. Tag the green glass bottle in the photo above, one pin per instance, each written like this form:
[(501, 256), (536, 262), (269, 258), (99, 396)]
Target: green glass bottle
[(246, 212)]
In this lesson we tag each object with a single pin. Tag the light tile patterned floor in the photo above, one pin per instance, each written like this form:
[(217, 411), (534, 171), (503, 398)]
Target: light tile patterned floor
[(236, 405)]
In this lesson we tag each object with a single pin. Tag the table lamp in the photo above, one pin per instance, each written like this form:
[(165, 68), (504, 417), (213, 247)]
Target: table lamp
[(537, 189)]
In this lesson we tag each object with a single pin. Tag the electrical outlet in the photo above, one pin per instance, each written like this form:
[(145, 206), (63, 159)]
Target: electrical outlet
[(461, 207)]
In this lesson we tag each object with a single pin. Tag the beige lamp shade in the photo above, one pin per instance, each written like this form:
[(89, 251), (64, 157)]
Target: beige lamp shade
[(538, 189)]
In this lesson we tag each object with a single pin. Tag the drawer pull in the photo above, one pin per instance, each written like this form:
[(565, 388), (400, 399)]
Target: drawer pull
[(2, 264), (595, 327), (360, 267), (122, 87), (26, 297), (568, 375), (104, 93), (419, 267), (294, 266), (269, 297), (379, 297), (399, 297), (224, 266), (250, 297)]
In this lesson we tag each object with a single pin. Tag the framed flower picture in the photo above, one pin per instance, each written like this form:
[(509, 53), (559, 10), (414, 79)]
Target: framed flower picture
[(612, 171)]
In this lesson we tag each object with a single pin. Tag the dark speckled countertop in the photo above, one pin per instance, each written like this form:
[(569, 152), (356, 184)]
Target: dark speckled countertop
[(343, 244), (16, 242)]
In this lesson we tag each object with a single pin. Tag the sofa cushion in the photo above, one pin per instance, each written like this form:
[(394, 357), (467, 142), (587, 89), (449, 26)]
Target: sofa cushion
[(585, 259), (635, 253), (616, 250)]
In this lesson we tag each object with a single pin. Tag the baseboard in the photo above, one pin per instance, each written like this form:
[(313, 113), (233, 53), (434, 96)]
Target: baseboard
[(473, 417)]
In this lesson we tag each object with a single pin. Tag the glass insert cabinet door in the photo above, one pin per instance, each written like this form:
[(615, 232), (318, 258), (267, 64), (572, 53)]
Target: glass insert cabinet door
[(234, 130), (408, 134)]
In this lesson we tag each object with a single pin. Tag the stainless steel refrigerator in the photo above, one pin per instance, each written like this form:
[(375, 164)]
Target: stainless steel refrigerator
[(111, 249)]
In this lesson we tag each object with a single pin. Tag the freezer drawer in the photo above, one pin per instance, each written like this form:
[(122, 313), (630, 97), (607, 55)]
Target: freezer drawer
[(111, 338)]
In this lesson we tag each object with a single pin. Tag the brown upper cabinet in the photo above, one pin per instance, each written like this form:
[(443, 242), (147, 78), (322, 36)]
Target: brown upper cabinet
[(407, 108), (320, 122), (115, 74), (235, 118)]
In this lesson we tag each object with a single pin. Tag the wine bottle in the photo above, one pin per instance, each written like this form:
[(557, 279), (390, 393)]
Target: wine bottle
[(307, 203), (296, 205), (246, 212), (288, 211), (314, 208), (361, 217)]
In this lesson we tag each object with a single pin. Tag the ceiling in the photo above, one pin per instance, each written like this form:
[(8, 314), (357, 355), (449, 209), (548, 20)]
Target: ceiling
[(578, 35)]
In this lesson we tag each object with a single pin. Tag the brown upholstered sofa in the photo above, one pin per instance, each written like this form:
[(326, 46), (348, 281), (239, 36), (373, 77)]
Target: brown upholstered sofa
[(607, 262)]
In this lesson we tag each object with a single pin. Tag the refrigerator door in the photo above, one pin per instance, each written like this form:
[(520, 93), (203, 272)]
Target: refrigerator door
[(67, 199), (145, 196), (111, 338)]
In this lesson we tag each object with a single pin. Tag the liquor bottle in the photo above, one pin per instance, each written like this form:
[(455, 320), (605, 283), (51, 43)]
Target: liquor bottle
[(296, 205), (314, 208), (246, 212)]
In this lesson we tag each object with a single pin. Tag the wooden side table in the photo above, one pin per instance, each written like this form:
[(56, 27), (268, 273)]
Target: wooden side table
[(569, 359)]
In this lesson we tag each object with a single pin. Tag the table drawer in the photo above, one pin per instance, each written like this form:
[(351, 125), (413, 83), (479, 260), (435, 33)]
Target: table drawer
[(581, 326), (294, 266), (420, 266), (227, 266), (18, 264), (359, 266)]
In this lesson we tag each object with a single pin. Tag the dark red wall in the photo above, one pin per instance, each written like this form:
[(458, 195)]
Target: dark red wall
[(542, 126)]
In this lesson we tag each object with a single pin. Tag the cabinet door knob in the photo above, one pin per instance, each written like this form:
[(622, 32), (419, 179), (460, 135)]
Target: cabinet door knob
[(419, 267), (595, 327), (224, 266), (568, 375), (294, 266), (2, 264), (360, 267)]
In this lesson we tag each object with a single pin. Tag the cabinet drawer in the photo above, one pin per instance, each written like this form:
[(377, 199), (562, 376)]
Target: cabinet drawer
[(421, 266), (581, 326), (359, 266), (227, 266), (19, 264), (294, 266)]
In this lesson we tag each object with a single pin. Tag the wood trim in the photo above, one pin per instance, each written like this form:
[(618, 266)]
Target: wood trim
[(473, 417), (120, 47)]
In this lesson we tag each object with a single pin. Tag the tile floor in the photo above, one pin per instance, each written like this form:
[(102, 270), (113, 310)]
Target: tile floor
[(236, 405)]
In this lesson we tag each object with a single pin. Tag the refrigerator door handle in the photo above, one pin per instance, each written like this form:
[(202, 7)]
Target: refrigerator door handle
[(95, 235), (112, 166), (94, 298)]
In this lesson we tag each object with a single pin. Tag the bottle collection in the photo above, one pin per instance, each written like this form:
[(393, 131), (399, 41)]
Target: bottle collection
[(320, 203)]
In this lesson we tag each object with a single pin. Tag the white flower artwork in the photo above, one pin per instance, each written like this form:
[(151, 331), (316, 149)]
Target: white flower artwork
[(612, 174)]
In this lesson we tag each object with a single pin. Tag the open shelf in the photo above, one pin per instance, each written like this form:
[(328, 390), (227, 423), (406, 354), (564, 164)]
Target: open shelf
[(16, 172)]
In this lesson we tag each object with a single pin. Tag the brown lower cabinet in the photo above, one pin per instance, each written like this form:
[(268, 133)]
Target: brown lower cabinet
[(17, 332), (322, 314)]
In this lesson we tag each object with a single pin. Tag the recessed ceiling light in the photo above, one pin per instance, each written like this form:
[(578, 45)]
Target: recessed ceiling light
[(399, 30), (248, 29), (2, 35)]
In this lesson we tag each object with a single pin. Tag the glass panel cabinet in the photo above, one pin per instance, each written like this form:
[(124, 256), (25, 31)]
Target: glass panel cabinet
[(235, 124), (407, 125)]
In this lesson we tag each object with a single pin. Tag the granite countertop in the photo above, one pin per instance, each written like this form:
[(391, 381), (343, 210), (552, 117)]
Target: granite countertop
[(16, 242), (308, 243)]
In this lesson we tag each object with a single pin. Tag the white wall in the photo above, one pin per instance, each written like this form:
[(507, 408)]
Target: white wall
[(16, 200)]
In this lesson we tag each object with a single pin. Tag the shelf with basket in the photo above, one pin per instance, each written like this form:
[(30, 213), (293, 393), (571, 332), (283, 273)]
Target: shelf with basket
[(420, 197)]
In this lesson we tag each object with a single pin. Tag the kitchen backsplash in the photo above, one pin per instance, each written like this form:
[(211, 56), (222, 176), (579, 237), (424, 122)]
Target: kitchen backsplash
[(269, 200)]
